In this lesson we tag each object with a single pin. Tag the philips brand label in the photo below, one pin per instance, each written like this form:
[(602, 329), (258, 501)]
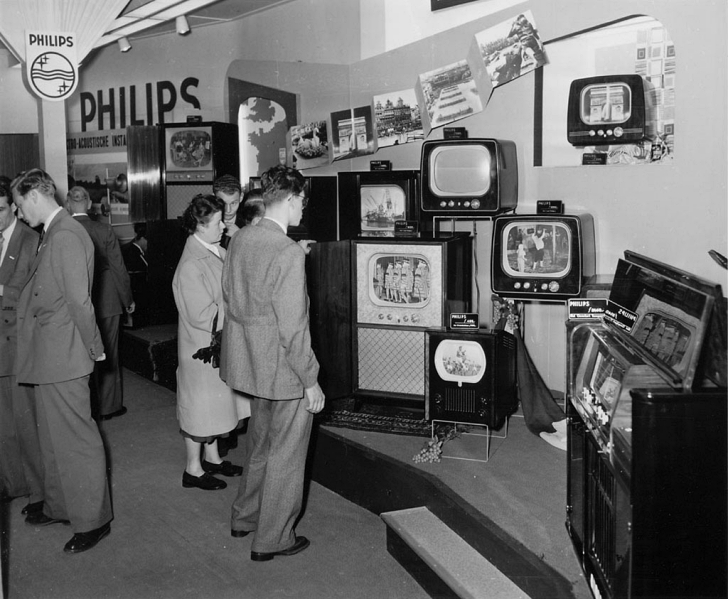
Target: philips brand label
[(587, 309), (464, 321)]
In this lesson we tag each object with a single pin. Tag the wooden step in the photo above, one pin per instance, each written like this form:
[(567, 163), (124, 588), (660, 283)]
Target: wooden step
[(441, 561)]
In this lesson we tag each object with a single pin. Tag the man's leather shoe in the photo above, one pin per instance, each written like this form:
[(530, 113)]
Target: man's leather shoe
[(40, 519), (120, 412), (207, 482), (224, 468), (300, 544), (32, 507), (239, 534), (83, 541)]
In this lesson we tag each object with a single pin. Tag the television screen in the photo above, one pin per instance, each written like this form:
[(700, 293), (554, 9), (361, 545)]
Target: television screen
[(534, 248), (399, 279), (370, 202), (380, 206), (468, 177), (188, 148), (399, 283), (460, 361), (605, 104), (460, 170), (542, 257)]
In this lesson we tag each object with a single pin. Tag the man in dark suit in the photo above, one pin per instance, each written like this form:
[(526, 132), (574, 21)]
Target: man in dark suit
[(229, 190), (58, 344), (111, 297), (266, 353), (21, 466)]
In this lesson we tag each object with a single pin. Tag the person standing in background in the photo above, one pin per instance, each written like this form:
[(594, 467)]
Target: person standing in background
[(266, 353), (207, 409), (21, 465), (58, 344), (229, 190), (111, 296)]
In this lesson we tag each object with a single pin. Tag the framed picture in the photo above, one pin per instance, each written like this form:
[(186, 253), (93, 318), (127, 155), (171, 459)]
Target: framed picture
[(438, 4)]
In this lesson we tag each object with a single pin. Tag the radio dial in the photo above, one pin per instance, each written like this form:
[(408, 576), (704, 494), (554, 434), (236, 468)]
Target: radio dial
[(517, 285), (609, 131), (451, 204), (527, 285), (544, 286), (443, 204), (618, 132), (405, 318), (475, 204), (389, 317), (466, 204), (592, 133), (554, 286), (600, 133), (380, 316), (415, 318)]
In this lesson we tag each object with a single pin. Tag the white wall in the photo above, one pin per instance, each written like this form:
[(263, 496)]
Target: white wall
[(674, 212)]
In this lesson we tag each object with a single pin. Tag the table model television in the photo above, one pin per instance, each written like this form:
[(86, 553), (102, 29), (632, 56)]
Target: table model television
[(401, 288), (468, 177), (647, 476), (542, 257)]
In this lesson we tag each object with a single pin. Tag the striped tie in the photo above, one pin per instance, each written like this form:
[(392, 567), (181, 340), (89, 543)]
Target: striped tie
[(40, 240)]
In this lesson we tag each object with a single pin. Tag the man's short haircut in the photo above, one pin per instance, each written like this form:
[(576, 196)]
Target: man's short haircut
[(253, 206), (35, 178), (227, 184), (5, 191), (82, 191), (280, 182)]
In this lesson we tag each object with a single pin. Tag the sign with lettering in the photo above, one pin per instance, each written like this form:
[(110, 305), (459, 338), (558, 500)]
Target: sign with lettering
[(97, 142), (51, 64), (587, 308), (620, 316)]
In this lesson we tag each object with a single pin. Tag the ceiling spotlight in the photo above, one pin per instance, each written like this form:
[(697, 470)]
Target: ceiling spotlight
[(124, 44), (182, 25)]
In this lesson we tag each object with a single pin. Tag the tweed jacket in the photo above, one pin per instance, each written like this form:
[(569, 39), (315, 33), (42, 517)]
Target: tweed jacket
[(266, 341), (13, 272), (111, 289), (58, 339)]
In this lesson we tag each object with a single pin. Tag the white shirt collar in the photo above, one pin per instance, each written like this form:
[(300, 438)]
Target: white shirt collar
[(279, 223), (51, 216), (215, 249), (7, 234)]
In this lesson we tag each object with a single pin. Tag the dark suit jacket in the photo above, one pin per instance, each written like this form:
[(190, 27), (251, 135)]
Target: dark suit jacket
[(266, 342), (13, 273), (58, 339), (111, 292)]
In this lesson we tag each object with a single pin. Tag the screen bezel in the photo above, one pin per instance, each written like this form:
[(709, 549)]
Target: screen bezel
[(169, 133), (505, 264), (431, 201)]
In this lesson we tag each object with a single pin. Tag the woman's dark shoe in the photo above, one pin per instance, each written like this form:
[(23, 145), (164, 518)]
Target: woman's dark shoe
[(225, 468), (205, 482)]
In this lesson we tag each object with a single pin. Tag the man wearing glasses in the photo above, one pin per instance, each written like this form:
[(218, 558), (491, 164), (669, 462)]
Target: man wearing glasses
[(266, 353)]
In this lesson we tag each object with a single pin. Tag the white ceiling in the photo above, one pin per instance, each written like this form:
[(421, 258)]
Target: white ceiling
[(144, 18)]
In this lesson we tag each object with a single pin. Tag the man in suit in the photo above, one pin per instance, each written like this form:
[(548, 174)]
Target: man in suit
[(58, 343), (266, 353), (229, 190), (21, 466), (111, 297)]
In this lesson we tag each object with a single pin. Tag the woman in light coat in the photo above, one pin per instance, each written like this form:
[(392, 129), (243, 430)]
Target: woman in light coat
[(206, 407)]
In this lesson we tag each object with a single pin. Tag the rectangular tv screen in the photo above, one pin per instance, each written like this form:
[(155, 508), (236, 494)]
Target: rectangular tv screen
[(460, 170), (537, 249), (188, 149)]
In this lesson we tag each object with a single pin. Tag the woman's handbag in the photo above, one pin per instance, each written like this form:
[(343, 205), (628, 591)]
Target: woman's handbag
[(212, 352)]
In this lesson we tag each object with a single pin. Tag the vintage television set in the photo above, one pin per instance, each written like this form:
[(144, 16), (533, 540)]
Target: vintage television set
[(609, 109), (470, 376), (401, 288), (468, 177), (194, 155), (646, 404), (370, 202), (542, 256)]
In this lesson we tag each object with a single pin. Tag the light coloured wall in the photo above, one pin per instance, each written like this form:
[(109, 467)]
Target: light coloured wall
[(675, 212)]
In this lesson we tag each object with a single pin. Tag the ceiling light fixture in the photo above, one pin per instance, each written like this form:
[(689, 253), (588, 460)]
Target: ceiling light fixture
[(124, 44), (182, 25)]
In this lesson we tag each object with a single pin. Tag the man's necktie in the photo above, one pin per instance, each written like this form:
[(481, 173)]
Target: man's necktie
[(2, 240), (40, 240)]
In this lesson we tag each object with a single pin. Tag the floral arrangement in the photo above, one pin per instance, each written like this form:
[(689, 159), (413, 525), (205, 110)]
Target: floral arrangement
[(432, 450), (506, 313)]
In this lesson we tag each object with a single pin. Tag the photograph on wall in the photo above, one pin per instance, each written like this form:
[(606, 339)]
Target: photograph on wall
[(447, 94), (511, 49), (308, 145), (352, 133), (397, 118), (380, 207), (108, 187)]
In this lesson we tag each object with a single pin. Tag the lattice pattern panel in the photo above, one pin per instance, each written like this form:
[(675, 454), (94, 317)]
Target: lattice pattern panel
[(179, 196), (392, 361)]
